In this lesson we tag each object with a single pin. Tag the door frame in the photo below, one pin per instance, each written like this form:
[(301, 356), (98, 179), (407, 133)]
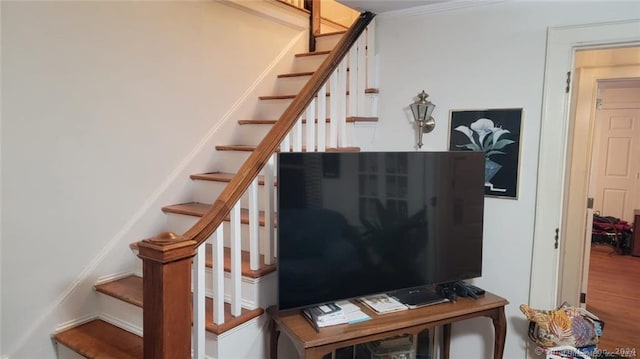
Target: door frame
[(562, 42)]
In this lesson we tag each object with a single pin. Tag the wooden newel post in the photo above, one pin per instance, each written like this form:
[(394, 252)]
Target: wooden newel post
[(167, 296), (314, 21)]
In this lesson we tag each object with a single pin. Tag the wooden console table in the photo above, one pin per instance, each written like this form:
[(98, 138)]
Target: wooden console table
[(314, 345)]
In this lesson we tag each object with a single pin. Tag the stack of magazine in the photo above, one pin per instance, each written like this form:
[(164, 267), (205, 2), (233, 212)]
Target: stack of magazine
[(342, 312)]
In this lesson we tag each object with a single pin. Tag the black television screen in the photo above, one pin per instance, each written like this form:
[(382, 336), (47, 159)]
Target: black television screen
[(362, 223)]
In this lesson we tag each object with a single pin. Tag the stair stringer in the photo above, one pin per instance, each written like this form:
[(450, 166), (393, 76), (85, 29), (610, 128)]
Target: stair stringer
[(148, 220)]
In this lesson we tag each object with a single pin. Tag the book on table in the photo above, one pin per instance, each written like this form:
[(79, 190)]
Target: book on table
[(383, 303), (342, 312)]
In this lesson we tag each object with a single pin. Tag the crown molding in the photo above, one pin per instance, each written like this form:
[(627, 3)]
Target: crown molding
[(438, 8)]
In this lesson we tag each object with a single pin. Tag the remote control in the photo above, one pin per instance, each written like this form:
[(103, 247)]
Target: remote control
[(474, 289)]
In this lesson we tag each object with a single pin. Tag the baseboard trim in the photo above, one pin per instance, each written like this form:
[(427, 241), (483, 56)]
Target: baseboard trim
[(121, 324), (74, 323), (112, 277)]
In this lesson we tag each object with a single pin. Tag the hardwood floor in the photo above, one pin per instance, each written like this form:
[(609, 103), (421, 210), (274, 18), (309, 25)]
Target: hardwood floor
[(613, 294)]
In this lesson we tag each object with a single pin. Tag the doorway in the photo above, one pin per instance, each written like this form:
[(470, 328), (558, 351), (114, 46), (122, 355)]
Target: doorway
[(551, 226), (604, 160), (593, 69)]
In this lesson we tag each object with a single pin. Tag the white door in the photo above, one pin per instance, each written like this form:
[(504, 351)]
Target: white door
[(617, 162)]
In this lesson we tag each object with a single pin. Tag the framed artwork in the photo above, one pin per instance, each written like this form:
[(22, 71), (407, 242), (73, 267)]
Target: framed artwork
[(496, 132)]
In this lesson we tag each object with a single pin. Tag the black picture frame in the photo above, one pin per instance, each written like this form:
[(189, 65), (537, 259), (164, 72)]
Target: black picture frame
[(499, 130)]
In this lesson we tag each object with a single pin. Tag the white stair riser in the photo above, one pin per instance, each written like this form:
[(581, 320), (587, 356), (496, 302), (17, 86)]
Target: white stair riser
[(179, 223), (125, 315), (327, 43), (273, 109), (208, 191), (270, 109), (326, 27), (65, 353), (308, 63), (247, 341), (293, 85), (290, 85), (230, 161), (253, 134), (256, 293)]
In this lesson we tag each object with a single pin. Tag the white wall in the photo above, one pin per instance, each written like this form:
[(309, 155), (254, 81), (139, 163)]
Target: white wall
[(103, 102), (483, 56), (1, 351)]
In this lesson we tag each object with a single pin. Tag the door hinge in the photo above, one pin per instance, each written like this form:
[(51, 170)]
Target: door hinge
[(566, 90), (556, 239), (583, 298), (590, 203), (599, 104)]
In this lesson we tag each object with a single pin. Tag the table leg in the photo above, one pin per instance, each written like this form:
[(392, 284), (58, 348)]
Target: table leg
[(500, 327), (274, 335), (446, 340)]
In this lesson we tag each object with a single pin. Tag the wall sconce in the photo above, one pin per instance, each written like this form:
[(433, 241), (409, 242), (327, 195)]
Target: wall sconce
[(422, 110)]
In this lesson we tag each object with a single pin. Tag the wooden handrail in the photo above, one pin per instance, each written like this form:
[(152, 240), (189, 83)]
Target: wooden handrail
[(270, 144), (167, 257)]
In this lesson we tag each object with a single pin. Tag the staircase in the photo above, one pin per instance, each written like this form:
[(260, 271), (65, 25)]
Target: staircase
[(235, 270)]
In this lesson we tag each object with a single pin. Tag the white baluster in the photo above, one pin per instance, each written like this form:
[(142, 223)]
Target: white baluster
[(342, 98), (199, 289), (254, 233), (297, 136), (269, 211), (217, 256), (285, 146), (361, 77), (334, 109), (352, 82), (310, 126), (322, 115), (236, 264), (372, 73)]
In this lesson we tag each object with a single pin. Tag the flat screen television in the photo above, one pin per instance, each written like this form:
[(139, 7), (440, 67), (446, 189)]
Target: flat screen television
[(363, 223)]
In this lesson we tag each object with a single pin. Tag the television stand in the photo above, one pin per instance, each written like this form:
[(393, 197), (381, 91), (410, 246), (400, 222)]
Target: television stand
[(417, 297), (314, 345)]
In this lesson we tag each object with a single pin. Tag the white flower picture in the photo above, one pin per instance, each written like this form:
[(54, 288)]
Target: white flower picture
[(496, 133)]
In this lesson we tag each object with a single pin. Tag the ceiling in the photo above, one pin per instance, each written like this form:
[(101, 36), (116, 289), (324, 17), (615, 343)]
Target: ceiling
[(381, 6)]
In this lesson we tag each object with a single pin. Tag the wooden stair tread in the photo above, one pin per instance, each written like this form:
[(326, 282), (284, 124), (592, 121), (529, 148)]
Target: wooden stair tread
[(304, 149), (99, 339), (245, 148), (350, 119), (288, 97), (198, 209), (222, 177), (316, 53), (131, 287), (296, 74), (127, 289)]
